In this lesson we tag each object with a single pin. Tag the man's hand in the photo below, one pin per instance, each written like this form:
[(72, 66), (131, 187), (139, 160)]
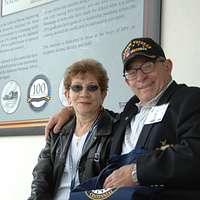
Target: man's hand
[(121, 177), (57, 120)]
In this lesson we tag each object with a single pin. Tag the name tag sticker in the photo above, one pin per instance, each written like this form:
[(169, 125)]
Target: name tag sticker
[(156, 114)]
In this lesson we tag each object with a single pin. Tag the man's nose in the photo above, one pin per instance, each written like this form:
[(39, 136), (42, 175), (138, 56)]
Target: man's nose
[(140, 75)]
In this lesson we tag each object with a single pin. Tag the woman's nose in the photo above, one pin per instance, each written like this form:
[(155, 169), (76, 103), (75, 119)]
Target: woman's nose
[(84, 92)]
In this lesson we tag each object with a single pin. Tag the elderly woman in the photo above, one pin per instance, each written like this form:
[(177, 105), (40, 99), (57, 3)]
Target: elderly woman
[(80, 150)]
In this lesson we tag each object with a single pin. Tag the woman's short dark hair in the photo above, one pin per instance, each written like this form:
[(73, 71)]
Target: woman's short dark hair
[(87, 66)]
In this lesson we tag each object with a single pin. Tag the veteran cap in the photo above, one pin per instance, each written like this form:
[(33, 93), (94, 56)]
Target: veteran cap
[(141, 47)]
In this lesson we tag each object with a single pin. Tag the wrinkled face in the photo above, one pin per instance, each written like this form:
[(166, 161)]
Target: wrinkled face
[(146, 86), (85, 95)]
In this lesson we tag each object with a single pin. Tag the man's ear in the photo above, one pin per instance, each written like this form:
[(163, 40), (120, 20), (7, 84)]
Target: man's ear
[(168, 64)]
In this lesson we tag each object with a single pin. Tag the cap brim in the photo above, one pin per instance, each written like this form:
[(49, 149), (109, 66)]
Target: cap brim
[(137, 55)]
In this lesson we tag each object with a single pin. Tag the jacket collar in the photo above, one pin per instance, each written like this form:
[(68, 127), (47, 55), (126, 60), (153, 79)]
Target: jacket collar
[(103, 128), (165, 98), (104, 124), (168, 93)]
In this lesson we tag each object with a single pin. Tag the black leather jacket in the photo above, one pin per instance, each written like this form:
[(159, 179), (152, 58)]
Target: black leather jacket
[(49, 169)]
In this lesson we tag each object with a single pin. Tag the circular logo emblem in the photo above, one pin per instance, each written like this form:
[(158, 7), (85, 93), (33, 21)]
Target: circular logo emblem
[(10, 97), (61, 94), (100, 194), (39, 92)]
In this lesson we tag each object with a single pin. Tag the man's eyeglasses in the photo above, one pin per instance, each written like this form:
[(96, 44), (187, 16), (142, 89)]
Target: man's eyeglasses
[(146, 68), (90, 88)]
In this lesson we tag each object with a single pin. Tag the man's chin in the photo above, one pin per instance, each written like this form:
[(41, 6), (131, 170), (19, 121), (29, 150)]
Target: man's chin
[(145, 97)]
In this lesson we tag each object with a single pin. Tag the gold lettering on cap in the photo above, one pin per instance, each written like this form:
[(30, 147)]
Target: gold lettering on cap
[(135, 46)]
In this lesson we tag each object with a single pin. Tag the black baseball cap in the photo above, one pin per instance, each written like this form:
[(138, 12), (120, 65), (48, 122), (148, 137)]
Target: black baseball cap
[(141, 47)]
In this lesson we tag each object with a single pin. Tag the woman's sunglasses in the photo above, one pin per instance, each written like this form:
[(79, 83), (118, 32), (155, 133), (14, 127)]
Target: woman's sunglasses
[(89, 88)]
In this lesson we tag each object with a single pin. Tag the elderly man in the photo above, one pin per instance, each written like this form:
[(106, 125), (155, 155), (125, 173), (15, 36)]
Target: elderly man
[(163, 118)]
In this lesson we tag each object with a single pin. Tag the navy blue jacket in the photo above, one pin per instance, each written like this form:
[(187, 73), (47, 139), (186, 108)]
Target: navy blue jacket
[(172, 161)]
